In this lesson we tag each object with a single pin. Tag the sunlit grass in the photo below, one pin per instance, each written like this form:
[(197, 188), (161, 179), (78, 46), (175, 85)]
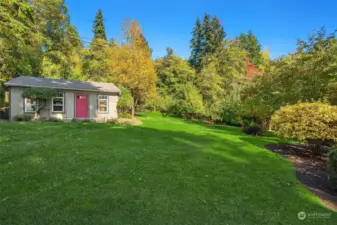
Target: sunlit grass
[(166, 171)]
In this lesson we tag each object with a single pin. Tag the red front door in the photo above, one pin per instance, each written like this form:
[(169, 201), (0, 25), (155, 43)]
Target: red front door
[(81, 106)]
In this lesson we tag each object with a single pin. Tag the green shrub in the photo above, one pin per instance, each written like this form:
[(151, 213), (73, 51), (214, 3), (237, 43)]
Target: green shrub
[(332, 93), (125, 101), (23, 117), (253, 129), (315, 123), (246, 122), (332, 168), (125, 115), (54, 119), (306, 121), (165, 105), (230, 115)]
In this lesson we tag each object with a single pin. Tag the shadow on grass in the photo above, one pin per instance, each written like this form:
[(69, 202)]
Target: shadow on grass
[(146, 175)]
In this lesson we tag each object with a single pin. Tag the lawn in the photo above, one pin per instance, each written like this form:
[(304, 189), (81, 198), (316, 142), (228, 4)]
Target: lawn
[(166, 171)]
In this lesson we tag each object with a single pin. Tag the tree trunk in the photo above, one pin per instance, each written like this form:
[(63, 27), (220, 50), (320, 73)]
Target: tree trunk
[(135, 102), (133, 111)]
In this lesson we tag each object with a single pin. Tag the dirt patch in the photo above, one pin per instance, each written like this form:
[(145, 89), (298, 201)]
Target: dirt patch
[(311, 172)]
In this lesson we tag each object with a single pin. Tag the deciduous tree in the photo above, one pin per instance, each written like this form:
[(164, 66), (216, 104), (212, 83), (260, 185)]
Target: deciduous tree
[(131, 66)]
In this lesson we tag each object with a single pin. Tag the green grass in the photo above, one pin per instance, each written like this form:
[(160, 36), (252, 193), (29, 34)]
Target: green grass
[(166, 171)]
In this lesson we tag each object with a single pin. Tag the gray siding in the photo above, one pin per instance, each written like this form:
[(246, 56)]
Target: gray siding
[(92, 105), (101, 117), (69, 105), (17, 105), (16, 102)]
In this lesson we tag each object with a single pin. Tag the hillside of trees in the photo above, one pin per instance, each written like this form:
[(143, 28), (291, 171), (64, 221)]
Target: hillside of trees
[(215, 84)]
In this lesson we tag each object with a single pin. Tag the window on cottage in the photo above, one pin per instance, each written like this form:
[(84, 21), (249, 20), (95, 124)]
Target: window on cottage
[(103, 103), (30, 105), (58, 103)]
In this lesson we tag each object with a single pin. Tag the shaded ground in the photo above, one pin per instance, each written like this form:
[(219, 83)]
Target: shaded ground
[(311, 172)]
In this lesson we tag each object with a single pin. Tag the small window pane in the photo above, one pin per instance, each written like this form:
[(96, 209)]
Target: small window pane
[(103, 97), (103, 109), (57, 108), (30, 105), (103, 103), (58, 103)]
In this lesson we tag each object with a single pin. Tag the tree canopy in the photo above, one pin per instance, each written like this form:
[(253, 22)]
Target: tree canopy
[(214, 83)]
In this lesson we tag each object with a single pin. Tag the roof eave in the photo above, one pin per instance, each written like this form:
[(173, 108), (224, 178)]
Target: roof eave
[(74, 89)]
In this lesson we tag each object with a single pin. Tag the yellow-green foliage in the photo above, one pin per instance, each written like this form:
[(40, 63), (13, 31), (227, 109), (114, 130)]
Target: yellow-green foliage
[(306, 121), (332, 93)]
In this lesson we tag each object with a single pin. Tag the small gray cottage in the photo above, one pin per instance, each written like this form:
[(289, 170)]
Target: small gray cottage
[(76, 99)]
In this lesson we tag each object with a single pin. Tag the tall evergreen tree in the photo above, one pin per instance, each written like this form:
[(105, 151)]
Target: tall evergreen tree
[(95, 62), (99, 29), (207, 39), (250, 43), (218, 34), (207, 36), (196, 45)]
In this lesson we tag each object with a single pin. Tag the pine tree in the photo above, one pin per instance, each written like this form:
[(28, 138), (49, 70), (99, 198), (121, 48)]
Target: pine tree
[(207, 39), (250, 43), (99, 29), (218, 34), (95, 62), (207, 36), (112, 43), (196, 43)]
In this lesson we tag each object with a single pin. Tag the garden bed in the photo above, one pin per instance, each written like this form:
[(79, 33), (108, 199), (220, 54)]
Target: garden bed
[(311, 172)]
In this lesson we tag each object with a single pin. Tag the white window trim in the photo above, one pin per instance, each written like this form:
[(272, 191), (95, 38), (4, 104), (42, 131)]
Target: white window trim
[(107, 104), (25, 103), (52, 104)]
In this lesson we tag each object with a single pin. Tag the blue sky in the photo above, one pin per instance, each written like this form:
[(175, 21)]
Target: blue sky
[(276, 23)]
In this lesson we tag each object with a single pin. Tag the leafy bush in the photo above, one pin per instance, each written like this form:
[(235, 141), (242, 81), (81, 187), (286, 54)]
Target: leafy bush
[(23, 117), (54, 119), (315, 122), (190, 103), (125, 115), (332, 93), (166, 105), (125, 101), (230, 115), (332, 168), (305, 121), (253, 129)]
